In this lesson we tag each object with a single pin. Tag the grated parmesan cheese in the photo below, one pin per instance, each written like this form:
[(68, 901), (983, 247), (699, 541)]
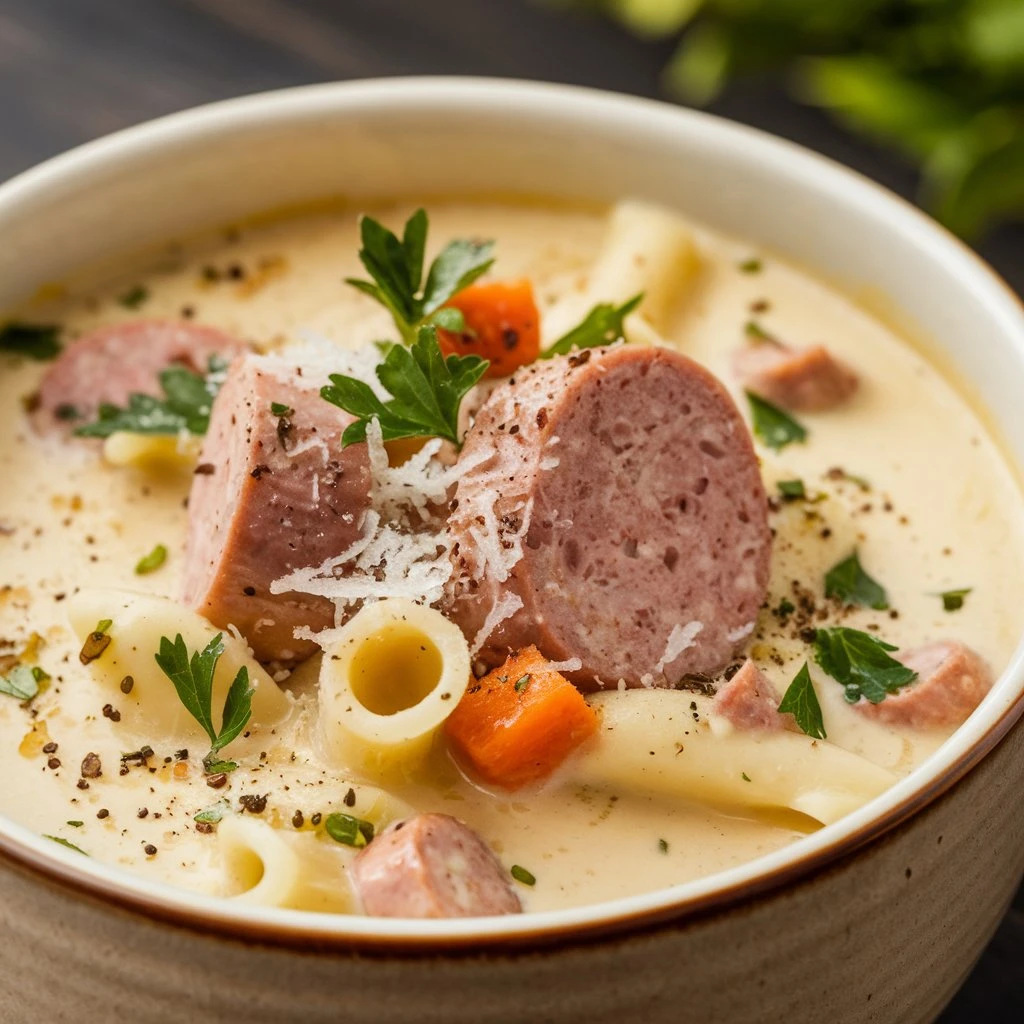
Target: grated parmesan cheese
[(680, 639), (504, 608)]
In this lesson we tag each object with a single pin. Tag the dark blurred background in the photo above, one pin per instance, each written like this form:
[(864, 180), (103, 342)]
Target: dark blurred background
[(924, 96)]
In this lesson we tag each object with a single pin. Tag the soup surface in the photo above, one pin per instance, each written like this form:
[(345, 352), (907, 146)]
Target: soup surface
[(902, 473)]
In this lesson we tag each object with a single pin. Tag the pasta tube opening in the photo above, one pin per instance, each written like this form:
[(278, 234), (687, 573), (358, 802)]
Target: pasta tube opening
[(395, 674)]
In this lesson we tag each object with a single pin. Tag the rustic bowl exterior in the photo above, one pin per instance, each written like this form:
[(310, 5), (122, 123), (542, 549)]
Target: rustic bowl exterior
[(878, 918)]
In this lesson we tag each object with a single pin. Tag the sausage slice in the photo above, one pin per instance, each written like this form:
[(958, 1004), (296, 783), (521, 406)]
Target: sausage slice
[(432, 866), (804, 380), (951, 682), (612, 510), (273, 492), (114, 362), (749, 700)]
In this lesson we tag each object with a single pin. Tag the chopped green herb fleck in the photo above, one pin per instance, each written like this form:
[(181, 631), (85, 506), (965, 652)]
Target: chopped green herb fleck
[(67, 843), (751, 266), (280, 409), (76, 824), (953, 600), (152, 561), (346, 829), (215, 766), (663, 845), (66, 412), (848, 582), (744, 776), (752, 329), (520, 874), (786, 607), (37, 341), (801, 701), (211, 815), (792, 490), (134, 297), (426, 390), (603, 325), (860, 663), (22, 682), (773, 427), (522, 682), (103, 625)]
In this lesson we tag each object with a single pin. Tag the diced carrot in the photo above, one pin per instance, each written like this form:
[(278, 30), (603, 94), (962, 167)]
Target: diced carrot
[(519, 722), (502, 325)]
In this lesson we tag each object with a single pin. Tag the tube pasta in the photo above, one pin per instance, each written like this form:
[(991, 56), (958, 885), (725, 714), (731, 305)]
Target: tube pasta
[(149, 451), (267, 867), (650, 741), (394, 675), (646, 249), (138, 623)]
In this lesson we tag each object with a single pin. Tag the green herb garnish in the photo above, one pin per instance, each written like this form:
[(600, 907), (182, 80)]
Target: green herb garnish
[(211, 815), (860, 663), (134, 297), (603, 325), (773, 427), (753, 330), (847, 581), (193, 682), (396, 267), (522, 682), (426, 390), (67, 843), (103, 625), (280, 409), (792, 490), (344, 828), (801, 702), (663, 846), (744, 776), (520, 874), (217, 766), (75, 824), (36, 341), (751, 266), (22, 682), (953, 600), (152, 561), (185, 406)]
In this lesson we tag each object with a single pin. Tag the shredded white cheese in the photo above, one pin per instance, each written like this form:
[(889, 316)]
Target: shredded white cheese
[(504, 608), (680, 639)]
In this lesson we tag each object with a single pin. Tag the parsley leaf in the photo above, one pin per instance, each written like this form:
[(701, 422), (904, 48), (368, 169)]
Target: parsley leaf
[(426, 390), (37, 341), (601, 326), (152, 561), (134, 297), (847, 581), (193, 682), (860, 663), (396, 268), (953, 600), (22, 682), (520, 874), (343, 828), (792, 490), (802, 702), (773, 427), (69, 845), (186, 405)]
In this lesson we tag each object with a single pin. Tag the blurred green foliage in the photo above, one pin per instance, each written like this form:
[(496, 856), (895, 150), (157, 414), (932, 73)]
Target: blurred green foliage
[(941, 81)]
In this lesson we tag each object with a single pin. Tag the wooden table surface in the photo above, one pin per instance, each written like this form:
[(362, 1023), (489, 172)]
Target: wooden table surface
[(71, 70)]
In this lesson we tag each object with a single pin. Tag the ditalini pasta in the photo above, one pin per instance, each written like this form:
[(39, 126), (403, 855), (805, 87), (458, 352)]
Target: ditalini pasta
[(395, 673), (589, 553)]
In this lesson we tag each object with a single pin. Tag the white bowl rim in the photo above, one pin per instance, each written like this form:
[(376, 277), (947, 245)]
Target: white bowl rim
[(998, 713)]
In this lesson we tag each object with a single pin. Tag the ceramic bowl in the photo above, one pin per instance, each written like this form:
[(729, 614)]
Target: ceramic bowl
[(878, 917)]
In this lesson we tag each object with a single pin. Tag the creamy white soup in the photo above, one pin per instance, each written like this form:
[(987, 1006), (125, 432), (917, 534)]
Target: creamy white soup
[(857, 560)]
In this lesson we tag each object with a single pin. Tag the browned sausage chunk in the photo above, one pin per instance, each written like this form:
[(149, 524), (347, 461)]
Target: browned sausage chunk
[(272, 493), (432, 866), (748, 700), (112, 363), (619, 517), (951, 682), (804, 380)]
